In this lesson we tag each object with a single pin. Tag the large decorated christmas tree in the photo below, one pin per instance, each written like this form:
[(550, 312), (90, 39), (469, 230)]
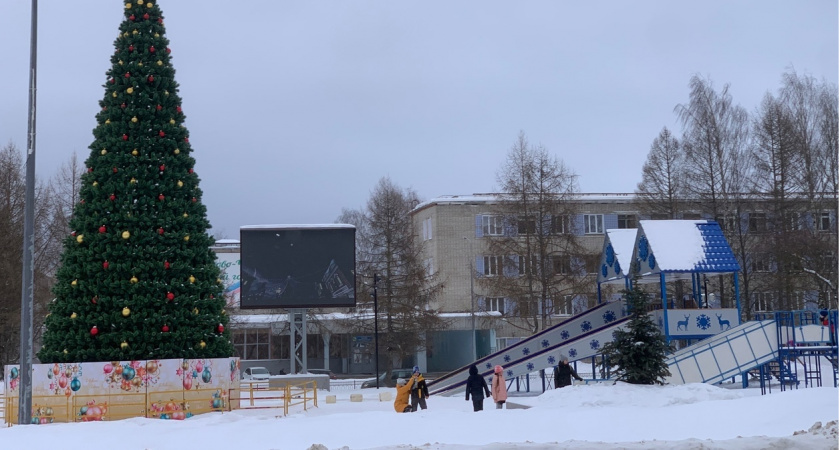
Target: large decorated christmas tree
[(137, 278)]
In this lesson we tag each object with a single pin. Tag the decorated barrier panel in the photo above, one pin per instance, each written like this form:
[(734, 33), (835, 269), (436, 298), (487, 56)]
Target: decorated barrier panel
[(166, 389)]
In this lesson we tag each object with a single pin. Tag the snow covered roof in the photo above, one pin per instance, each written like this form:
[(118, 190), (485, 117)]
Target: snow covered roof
[(496, 197), (682, 246), (617, 255)]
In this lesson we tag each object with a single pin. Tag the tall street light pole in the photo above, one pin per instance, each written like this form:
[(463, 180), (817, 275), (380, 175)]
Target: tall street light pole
[(376, 329), (472, 298)]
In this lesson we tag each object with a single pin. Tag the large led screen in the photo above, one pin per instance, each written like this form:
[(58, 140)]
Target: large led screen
[(298, 266)]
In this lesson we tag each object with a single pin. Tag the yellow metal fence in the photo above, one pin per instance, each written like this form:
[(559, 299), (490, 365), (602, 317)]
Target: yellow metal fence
[(176, 405)]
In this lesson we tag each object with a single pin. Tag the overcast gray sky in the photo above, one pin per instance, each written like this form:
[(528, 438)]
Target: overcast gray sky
[(296, 109)]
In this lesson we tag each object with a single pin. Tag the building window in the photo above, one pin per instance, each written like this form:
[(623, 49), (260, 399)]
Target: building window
[(526, 308), (560, 265), (429, 264), (427, 229), (730, 223), (526, 225), (827, 261), (493, 265), (758, 222), (565, 307), (793, 222), (495, 304), (526, 266), (591, 263), (252, 343), (626, 221), (593, 223), (492, 225), (560, 224), (763, 301), (760, 262), (824, 221)]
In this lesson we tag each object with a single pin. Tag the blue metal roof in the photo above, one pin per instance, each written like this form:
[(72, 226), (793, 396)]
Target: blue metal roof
[(718, 253)]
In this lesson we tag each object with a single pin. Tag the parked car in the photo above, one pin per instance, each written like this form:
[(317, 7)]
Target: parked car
[(256, 374), (322, 372), (390, 382)]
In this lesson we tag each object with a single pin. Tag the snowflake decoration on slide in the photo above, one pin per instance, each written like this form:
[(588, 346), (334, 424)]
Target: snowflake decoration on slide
[(594, 344), (572, 353), (544, 343), (585, 326), (488, 366), (507, 358), (551, 360), (526, 351), (530, 367), (609, 316), (564, 334), (510, 373), (704, 322)]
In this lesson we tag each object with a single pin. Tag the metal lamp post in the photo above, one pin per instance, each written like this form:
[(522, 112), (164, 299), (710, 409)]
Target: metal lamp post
[(472, 298)]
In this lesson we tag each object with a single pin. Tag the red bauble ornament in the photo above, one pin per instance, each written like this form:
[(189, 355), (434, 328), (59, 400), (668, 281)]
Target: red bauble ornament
[(105, 265), (112, 81), (186, 139), (131, 48), (160, 231), (161, 133), (128, 74), (152, 49), (165, 328), (72, 233), (220, 328), (170, 296), (112, 197), (115, 170), (167, 50), (191, 170), (158, 107), (161, 197), (166, 265), (160, 19), (94, 331), (178, 108), (125, 137), (194, 199), (146, 16), (151, 78), (90, 169), (102, 229), (162, 167), (94, 299), (104, 108), (131, 17), (122, 106)]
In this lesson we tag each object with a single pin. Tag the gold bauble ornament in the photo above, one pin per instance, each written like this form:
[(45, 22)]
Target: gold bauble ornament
[(73, 316), (192, 279), (185, 216), (74, 283), (140, 64), (134, 119), (120, 62), (139, 2), (128, 6), (95, 183), (165, 92), (133, 180), (202, 344), (126, 234), (160, 63), (134, 32), (187, 237), (104, 151), (130, 90), (65, 351), (176, 151), (133, 279), (124, 345), (114, 94), (80, 238), (195, 310), (126, 312), (172, 121), (180, 183), (107, 121), (125, 34), (219, 280), (149, 5), (135, 152), (156, 34)]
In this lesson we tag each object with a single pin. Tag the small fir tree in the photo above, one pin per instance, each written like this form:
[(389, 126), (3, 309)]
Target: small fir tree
[(638, 353), (137, 278)]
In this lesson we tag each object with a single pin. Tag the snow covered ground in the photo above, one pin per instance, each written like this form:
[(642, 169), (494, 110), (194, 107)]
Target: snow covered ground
[(599, 416)]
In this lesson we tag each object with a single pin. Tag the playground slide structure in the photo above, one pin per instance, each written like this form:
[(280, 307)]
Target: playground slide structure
[(580, 336), (751, 345)]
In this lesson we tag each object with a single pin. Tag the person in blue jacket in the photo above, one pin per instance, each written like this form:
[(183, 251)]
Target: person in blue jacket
[(477, 388)]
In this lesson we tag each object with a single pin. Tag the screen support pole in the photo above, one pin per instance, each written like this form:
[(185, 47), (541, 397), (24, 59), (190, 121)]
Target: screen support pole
[(297, 339)]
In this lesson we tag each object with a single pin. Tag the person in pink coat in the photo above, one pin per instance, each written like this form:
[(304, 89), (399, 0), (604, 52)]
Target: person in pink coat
[(499, 389)]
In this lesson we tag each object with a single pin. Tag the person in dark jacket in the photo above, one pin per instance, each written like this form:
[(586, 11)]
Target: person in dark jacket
[(420, 392), (563, 373), (477, 387)]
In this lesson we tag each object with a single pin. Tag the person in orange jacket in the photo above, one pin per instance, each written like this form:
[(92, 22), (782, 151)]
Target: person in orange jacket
[(401, 404)]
